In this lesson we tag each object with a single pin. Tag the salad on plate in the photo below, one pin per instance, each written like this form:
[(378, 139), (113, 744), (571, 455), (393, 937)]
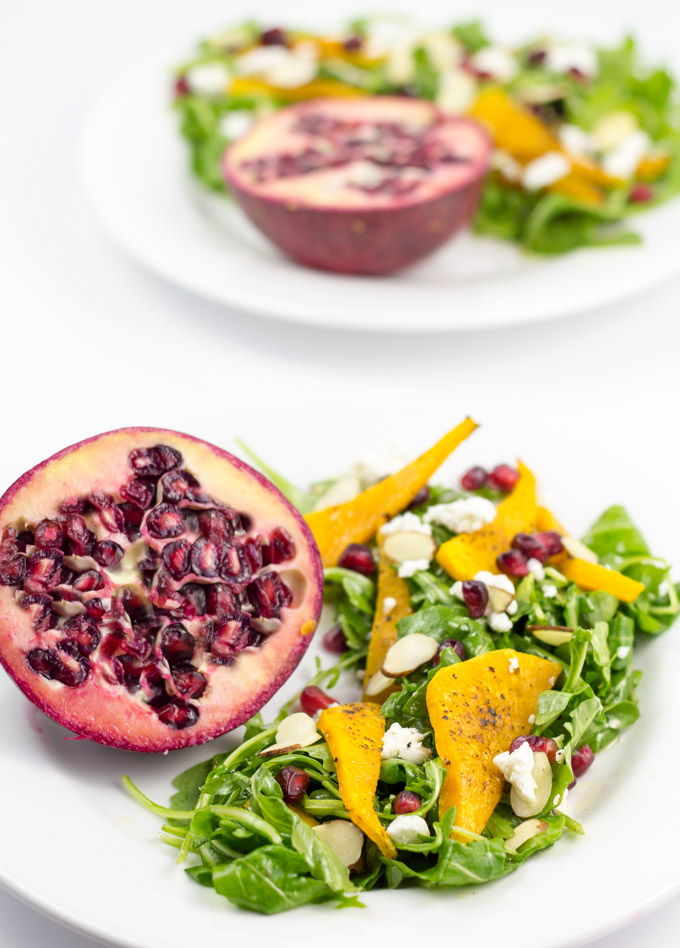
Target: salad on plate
[(584, 137)]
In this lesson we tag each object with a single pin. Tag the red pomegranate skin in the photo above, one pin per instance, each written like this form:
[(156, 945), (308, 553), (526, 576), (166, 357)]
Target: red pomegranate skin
[(367, 240), (234, 692)]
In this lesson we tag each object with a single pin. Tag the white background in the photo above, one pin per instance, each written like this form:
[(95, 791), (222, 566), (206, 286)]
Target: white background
[(92, 342)]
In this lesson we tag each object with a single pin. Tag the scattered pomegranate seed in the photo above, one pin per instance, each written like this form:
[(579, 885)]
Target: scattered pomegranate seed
[(503, 477), (293, 782), (457, 647), (536, 57), (474, 478), (420, 498), (551, 540), (531, 546), (313, 699), (181, 86), (640, 194), (476, 597), (581, 760), (578, 75), (537, 743), (359, 558), (513, 563), (49, 534), (406, 802), (334, 640), (353, 43), (274, 37)]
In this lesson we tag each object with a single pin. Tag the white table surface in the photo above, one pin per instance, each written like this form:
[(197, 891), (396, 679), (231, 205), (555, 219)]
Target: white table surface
[(91, 341)]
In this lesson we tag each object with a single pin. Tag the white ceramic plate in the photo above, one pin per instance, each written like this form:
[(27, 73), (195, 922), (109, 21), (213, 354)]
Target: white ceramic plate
[(135, 170), (75, 846)]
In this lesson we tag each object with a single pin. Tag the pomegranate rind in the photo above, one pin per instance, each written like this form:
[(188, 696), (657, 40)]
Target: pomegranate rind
[(372, 236), (108, 714)]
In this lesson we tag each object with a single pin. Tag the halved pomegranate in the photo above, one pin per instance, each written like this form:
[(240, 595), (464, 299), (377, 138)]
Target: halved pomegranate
[(141, 604), (359, 185)]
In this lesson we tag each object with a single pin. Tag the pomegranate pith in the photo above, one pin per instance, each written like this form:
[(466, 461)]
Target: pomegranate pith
[(161, 628)]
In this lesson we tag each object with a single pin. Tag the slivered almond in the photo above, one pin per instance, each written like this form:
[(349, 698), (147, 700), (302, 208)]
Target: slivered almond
[(408, 545), (579, 550), (276, 749), (524, 832), (344, 838), (297, 728), (376, 684), (542, 774), (408, 653), (551, 634), (499, 599)]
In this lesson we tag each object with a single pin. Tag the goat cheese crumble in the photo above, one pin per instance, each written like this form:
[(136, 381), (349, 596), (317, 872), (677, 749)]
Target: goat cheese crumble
[(405, 743), (410, 567), (549, 590), (536, 567), (407, 827), (499, 622), (546, 170), (513, 664), (408, 523), (517, 768), (208, 79), (389, 602), (462, 516)]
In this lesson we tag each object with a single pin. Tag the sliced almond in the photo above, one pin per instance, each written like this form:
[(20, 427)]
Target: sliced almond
[(344, 838), (524, 832), (409, 653), (298, 728), (376, 684), (542, 774), (408, 545), (275, 749), (68, 609), (551, 634), (579, 550), (610, 130), (499, 599)]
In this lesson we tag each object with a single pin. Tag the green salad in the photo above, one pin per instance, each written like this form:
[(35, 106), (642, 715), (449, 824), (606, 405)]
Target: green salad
[(585, 137), (484, 699)]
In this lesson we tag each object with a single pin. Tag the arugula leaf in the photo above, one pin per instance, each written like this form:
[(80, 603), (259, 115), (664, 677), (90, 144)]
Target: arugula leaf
[(269, 880)]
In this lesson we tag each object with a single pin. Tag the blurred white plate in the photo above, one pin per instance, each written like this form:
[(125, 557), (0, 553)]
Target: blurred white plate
[(75, 846)]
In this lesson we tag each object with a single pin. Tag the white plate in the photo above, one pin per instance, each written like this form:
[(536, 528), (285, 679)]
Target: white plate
[(135, 170), (75, 846)]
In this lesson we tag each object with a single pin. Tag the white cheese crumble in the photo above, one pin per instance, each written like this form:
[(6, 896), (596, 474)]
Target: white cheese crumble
[(499, 622), (406, 743), (532, 719), (623, 651), (443, 50), (576, 140), (551, 681), (508, 166), (456, 91), (562, 57), (280, 66), (549, 168), (512, 608), (559, 755), (497, 62), (517, 768), (408, 523), (622, 161), (513, 664), (536, 567), (389, 602), (410, 567), (457, 590), (463, 516), (208, 79), (549, 590), (499, 580), (407, 828), (235, 124)]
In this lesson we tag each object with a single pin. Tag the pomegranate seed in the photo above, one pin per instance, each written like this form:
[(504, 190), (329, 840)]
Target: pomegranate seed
[(221, 601), (40, 607), (178, 715), (177, 645), (538, 744), (551, 540), (82, 541), (132, 517), (421, 497), (138, 492), (13, 572), (165, 521), (189, 682), (95, 608), (231, 636), (513, 563), (581, 760), (177, 558), (49, 534), (89, 580), (280, 548), (181, 87), (152, 462), (640, 194), (531, 546), (334, 640), (181, 485), (313, 699), (273, 37), (359, 558), (476, 597), (268, 594), (457, 647), (235, 566), (576, 74), (107, 553), (353, 43), (474, 478), (406, 802), (215, 525), (293, 782), (503, 477), (83, 632), (252, 550), (24, 539), (536, 57)]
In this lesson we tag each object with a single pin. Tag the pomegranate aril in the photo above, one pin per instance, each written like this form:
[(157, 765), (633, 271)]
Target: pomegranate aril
[(279, 549), (25, 539), (503, 477), (88, 581), (268, 595), (273, 37), (551, 540), (181, 485), (40, 607), (531, 546), (112, 519), (581, 760), (83, 631), (82, 541), (206, 557), (43, 661), (177, 558), (13, 572), (353, 43), (178, 715), (234, 565), (252, 550), (189, 682), (230, 636), (138, 492), (457, 647), (334, 640), (513, 563), (221, 601), (313, 699), (49, 534), (165, 521), (406, 802), (215, 524), (476, 597), (181, 87), (293, 782), (421, 497), (70, 667), (640, 194), (177, 645), (95, 608), (474, 479), (44, 570), (152, 462), (359, 558), (538, 744), (107, 553), (132, 517), (72, 505)]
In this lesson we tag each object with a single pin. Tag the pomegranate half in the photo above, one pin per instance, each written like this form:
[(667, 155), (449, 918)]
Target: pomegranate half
[(360, 185), (155, 591)]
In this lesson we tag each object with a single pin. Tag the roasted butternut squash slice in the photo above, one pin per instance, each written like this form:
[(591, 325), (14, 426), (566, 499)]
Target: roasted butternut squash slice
[(593, 576), (354, 733), (317, 88), (384, 631), (477, 709)]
